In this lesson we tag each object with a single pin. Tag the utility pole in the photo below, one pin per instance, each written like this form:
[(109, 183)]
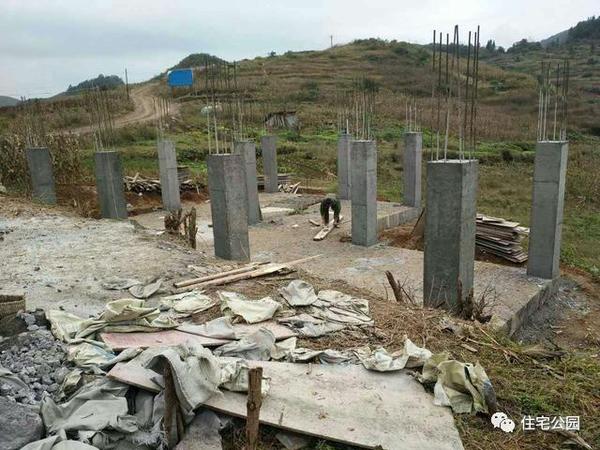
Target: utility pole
[(126, 83)]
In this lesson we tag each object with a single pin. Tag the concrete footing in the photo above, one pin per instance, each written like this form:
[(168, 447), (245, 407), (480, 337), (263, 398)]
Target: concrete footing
[(229, 206), (449, 232), (364, 193), (344, 174), (247, 150), (413, 151), (549, 176), (268, 145), (39, 162), (109, 185), (169, 179)]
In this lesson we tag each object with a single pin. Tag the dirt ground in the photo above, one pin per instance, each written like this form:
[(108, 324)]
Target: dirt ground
[(144, 110)]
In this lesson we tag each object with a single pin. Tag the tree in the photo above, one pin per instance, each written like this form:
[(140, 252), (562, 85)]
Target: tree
[(490, 46), (272, 54)]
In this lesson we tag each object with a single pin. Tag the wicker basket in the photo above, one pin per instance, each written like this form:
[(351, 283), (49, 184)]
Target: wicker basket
[(11, 304)]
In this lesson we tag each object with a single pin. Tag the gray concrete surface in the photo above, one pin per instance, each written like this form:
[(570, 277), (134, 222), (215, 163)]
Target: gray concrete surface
[(247, 149), (169, 179), (344, 173), (39, 163), (229, 203), (268, 145), (548, 200), (449, 252), (364, 192), (411, 169), (109, 185)]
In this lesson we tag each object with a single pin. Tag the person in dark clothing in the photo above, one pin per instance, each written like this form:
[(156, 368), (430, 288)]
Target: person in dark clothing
[(335, 206)]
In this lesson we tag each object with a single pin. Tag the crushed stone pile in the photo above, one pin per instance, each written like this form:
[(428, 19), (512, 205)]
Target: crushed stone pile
[(38, 360)]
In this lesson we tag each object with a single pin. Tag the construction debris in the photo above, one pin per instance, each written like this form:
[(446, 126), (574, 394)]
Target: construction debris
[(289, 188), (141, 185), (501, 238)]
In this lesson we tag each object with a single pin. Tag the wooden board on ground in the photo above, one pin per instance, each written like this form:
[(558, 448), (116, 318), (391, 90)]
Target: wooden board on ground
[(122, 341), (244, 329), (135, 375), (324, 232), (349, 404)]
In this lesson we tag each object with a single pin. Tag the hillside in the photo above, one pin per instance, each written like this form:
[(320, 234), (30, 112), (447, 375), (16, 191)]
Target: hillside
[(582, 49), (7, 101), (100, 82)]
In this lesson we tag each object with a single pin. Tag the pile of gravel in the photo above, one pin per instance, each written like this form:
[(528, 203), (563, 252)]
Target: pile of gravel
[(38, 359)]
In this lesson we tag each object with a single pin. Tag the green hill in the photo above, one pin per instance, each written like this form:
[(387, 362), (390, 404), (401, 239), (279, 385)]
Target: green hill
[(101, 82), (7, 101)]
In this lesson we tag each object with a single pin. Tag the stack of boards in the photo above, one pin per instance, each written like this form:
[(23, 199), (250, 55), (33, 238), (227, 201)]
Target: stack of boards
[(501, 238)]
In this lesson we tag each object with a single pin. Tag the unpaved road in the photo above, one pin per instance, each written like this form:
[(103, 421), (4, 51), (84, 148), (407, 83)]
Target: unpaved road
[(144, 111)]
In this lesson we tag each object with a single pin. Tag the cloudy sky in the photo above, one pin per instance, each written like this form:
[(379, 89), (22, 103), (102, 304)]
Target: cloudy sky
[(45, 45)]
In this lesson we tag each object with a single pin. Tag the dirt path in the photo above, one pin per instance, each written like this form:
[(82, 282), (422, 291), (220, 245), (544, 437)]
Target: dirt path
[(143, 102)]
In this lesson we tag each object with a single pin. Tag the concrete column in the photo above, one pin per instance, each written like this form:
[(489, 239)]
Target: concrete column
[(344, 172), (413, 151), (268, 145), (228, 206), (169, 180), (549, 174), (109, 185), (40, 170), (449, 231), (247, 150), (364, 193)]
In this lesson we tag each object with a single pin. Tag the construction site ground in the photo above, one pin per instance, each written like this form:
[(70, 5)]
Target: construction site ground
[(60, 261)]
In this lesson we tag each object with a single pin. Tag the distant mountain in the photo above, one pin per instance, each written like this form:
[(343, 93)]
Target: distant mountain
[(7, 101), (101, 82), (585, 30)]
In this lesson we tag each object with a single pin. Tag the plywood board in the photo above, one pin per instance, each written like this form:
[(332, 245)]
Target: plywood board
[(121, 341), (349, 404), (135, 375)]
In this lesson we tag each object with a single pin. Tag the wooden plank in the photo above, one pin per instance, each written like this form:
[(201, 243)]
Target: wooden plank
[(314, 222), (122, 341), (264, 270), (324, 232), (248, 268), (253, 407), (349, 404), (136, 375)]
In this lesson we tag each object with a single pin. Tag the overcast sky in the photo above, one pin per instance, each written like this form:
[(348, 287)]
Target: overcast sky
[(45, 45)]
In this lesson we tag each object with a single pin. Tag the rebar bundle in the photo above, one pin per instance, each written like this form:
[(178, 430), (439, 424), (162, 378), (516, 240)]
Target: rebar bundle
[(556, 93)]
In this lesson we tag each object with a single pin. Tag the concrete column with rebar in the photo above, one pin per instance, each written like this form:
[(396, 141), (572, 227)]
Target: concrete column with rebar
[(344, 172), (549, 177), (364, 192), (228, 205), (109, 185), (247, 149), (449, 256), (268, 145), (39, 162), (413, 152), (169, 178)]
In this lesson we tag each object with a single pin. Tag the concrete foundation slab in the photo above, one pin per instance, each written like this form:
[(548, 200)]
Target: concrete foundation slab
[(268, 146), (228, 205), (109, 184), (549, 177), (364, 193), (169, 180), (413, 152), (39, 163), (247, 150), (449, 231), (344, 173)]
